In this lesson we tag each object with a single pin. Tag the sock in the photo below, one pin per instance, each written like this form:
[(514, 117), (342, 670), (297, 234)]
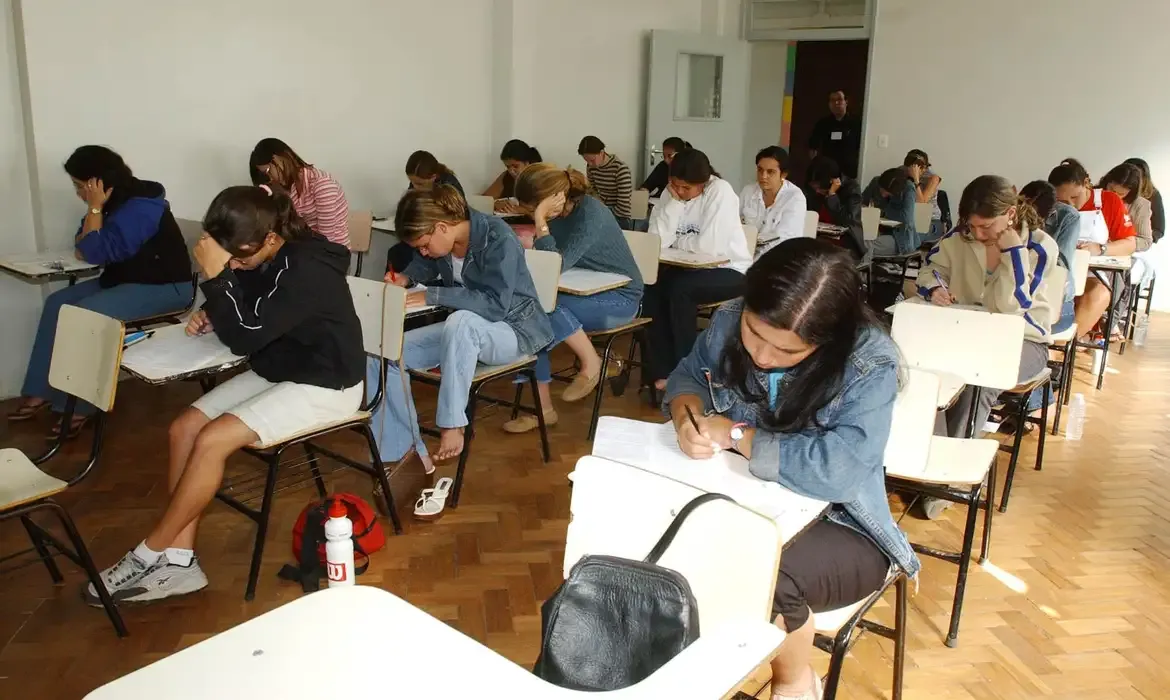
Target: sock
[(180, 557), (146, 554)]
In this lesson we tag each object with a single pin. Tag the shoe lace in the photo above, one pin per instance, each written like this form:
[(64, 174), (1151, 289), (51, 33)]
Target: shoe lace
[(126, 569)]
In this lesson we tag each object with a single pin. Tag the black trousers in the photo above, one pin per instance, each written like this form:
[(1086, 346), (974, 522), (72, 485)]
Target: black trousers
[(673, 305), (828, 566)]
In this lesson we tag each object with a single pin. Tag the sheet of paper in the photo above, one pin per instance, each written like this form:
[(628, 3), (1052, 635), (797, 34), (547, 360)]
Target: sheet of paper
[(682, 256), (170, 352), (654, 448), (920, 300), (584, 280), (45, 263)]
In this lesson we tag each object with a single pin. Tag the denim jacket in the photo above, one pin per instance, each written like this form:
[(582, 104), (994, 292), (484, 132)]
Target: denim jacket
[(907, 238), (496, 282), (843, 464)]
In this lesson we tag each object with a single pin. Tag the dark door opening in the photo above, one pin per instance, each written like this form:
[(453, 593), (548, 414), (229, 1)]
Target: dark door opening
[(821, 67)]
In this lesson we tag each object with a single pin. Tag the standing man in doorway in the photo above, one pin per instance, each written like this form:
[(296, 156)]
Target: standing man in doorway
[(838, 135)]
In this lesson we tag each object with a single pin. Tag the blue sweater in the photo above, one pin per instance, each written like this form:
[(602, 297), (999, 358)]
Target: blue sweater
[(139, 241), (591, 239)]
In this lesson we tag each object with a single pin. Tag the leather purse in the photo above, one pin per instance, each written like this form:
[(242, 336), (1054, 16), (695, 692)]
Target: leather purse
[(615, 621)]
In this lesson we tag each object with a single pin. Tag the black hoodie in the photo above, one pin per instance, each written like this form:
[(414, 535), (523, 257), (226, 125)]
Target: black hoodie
[(294, 317), (140, 241)]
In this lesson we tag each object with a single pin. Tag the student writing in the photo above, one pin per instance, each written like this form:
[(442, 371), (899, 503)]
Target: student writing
[(318, 197), (424, 171), (610, 178), (515, 155)]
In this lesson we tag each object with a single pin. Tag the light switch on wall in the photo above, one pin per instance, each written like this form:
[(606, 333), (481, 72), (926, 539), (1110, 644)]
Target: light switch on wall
[(883, 141)]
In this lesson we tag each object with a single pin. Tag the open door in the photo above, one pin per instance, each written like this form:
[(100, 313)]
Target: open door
[(698, 92)]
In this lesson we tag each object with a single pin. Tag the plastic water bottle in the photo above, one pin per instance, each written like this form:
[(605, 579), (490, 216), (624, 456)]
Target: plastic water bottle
[(1142, 330), (1076, 421), (339, 546)]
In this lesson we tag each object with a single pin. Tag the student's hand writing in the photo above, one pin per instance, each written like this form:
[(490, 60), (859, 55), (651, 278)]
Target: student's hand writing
[(211, 256), (1094, 249), (834, 185), (941, 297), (199, 324), (506, 206), (416, 299), (713, 435), (96, 194), (396, 278)]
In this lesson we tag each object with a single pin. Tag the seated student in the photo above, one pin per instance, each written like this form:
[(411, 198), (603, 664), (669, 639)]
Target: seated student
[(659, 178), (130, 231), (277, 293), (774, 205), (473, 264), (917, 164), (1125, 181), (837, 200), (699, 213), (610, 178), (998, 257), (893, 193), (588, 237), (800, 378), (1062, 223), (1150, 192), (425, 171), (516, 155), (319, 199), (1106, 229)]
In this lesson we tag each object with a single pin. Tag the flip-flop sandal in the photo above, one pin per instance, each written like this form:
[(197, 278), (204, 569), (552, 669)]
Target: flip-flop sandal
[(431, 503), (27, 412), (75, 429)]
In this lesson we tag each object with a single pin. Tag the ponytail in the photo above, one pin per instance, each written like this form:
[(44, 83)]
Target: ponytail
[(540, 181), (521, 152), (1028, 219), (241, 217), (419, 211), (425, 165)]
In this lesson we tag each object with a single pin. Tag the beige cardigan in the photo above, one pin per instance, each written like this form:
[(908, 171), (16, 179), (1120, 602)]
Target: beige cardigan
[(1141, 214), (1019, 284)]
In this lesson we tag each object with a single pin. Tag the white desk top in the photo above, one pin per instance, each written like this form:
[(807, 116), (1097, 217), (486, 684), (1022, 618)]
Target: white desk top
[(383, 225), (350, 637), (889, 222), (1110, 262), (169, 354), (587, 282), (49, 263), (681, 258)]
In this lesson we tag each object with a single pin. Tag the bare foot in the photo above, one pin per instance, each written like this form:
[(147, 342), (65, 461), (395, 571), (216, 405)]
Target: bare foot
[(660, 384), (450, 444)]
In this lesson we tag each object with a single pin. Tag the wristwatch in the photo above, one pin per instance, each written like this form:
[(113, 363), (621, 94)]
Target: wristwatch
[(736, 433), (95, 211)]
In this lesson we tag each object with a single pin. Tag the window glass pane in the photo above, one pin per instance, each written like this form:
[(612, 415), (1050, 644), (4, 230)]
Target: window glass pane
[(698, 87)]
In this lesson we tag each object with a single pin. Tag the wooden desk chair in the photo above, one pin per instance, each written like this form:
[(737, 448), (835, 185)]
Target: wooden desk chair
[(86, 357), (381, 309), (752, 234), (482, 203), (923, 217), (871, 224), (545, 268), (361, 228), (811, 219), (640, 205), (1066, 342), (983, 349)]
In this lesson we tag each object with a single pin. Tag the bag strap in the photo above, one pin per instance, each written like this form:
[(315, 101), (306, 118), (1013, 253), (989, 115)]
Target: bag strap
[(668, 536)]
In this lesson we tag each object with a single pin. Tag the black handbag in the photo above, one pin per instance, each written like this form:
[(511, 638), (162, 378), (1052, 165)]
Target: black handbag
[(615, 621)]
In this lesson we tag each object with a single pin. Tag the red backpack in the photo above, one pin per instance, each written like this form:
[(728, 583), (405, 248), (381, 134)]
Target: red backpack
[(308, 534)]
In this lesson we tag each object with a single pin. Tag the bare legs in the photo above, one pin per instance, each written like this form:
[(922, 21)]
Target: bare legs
[(1091, 305), (792, 672)]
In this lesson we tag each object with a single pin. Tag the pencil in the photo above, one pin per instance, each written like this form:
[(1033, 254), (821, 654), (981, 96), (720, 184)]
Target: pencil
[(693, 421)]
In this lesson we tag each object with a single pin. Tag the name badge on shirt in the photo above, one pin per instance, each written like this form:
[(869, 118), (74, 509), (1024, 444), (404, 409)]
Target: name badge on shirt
[(836, 136)]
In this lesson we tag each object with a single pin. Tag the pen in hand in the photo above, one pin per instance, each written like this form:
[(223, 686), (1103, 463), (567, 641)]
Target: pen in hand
[(699, 431)]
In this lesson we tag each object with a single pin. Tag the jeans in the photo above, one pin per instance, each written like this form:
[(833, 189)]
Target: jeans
[(673, 303), (455, 346), (597, 312), (1033, 358), (626, 223), (124, 302)]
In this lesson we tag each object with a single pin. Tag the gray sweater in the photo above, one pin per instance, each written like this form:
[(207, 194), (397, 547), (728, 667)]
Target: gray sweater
[(591, 239)]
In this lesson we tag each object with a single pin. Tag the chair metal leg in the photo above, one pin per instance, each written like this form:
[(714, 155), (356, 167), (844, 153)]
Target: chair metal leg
[(599, 392), (1072, 368), (1021, 423), (468, 434), (544, 450), (312, 457), (992, 475), (1065, 378), (899, 635), (90, 570), (383, 480), (516, 401), (42, 550), (262, 524), (1043, 434), (836, 661), (618, 384), (952, 639)]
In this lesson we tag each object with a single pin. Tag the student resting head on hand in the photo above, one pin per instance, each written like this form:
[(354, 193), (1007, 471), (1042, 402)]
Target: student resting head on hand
[(800, 378), (317, 196)]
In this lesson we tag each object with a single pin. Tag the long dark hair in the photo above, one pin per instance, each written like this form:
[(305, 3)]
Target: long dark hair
[(1042, 195), (693, 166), (519, 151), (106, 165), (265, 151), (1128, 176), (240, 217), (425, 164), (811, 288), (1148, 188)]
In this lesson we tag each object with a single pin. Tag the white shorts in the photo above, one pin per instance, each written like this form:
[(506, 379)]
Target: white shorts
[(281, 410)]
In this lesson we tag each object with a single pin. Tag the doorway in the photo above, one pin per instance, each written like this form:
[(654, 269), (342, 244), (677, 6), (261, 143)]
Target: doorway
[(821, 67)]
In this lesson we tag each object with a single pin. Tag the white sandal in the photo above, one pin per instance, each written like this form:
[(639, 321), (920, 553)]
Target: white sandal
[(431, 503)]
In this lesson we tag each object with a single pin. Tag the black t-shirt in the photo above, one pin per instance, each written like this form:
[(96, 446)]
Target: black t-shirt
[(839, 140)]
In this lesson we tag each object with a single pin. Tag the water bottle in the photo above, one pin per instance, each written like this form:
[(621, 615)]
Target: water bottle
[(338, 546), (1076, 421), (1142, 330)]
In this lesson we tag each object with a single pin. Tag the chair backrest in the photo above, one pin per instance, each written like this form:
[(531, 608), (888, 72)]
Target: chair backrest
[(361, 224), (192, 231), (1056, 283), (752, 234), (978, 347), (1080, 270), (913, 422), (393, 322), (545, 268), (923, 215), (727, 553), (368, 302), (482, 203), (639, 205), (87, 354), (871, 222), (647, 248), (811, 219)]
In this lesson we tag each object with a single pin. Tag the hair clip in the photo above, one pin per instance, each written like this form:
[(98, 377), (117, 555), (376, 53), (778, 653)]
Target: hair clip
[(267, 189)]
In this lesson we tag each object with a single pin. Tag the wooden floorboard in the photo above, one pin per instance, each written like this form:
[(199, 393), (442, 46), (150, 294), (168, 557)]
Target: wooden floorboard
[(1075, 603)]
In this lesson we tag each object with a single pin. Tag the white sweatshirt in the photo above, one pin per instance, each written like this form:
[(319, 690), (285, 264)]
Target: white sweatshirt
[(779, 222), (707, 224)]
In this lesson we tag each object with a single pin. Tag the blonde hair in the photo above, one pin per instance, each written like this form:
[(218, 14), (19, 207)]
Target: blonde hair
[(419, 211), (540, 181), (989, 196)]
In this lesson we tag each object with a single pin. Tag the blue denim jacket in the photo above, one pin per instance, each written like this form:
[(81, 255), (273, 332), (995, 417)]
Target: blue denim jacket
[(1064, 225), (843, 464), (496, 282), (907, 238)]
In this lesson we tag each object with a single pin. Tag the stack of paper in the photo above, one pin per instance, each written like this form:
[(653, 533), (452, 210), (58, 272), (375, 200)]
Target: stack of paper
[(578, 281), (171, 353)]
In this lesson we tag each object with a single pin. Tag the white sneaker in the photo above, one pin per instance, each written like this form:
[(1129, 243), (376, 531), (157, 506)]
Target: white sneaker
[(132, 580)]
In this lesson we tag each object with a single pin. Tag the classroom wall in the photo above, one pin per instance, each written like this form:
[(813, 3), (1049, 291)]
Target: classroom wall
[(765, 101), (20, 302), (1013, 87)]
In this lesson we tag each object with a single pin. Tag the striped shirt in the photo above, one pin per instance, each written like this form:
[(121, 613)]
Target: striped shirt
[(614, 184), (320, 201)]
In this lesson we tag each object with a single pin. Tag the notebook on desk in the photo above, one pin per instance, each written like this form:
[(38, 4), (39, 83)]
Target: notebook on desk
[(682, 257), (581, 281), (171, 354), (417, 310), (653, 447)]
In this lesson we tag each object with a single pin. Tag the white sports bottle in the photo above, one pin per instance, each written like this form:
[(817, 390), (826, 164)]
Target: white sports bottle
[(339, 546)]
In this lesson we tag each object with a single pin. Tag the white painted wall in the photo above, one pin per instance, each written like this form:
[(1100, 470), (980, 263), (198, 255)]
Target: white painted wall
[(765, 101)]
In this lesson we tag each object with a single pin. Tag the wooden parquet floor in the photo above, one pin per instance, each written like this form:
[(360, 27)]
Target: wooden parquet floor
[(1075, 605)]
